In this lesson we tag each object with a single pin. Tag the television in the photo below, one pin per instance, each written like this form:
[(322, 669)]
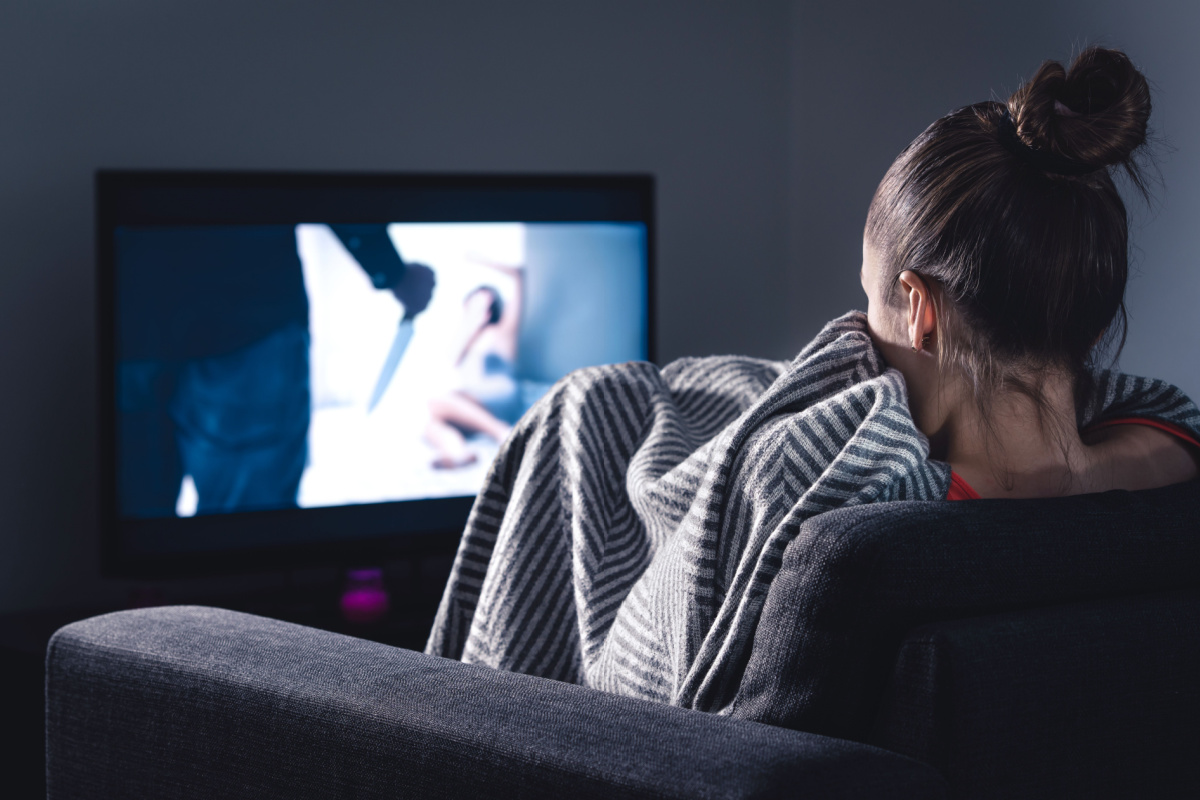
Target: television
[(319, 368)]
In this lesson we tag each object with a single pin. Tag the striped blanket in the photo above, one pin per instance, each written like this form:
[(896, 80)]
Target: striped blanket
[(630, 527)]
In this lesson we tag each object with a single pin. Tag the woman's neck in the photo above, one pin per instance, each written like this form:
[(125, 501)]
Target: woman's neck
[(1019, 450)]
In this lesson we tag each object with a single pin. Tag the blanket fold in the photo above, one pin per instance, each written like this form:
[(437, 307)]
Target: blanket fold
[(629, 529)]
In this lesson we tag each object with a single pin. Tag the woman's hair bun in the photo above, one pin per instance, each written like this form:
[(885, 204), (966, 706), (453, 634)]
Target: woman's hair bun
[(1095, 113)]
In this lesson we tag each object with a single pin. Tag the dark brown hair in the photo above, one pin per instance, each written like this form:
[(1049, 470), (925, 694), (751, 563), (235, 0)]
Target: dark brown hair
[(1028, 264)]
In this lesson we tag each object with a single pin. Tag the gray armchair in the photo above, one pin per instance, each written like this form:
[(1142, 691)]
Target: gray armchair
[(980, 649)]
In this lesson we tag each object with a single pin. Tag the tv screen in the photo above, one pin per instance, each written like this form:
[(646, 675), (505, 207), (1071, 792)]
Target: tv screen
[(300, 367)]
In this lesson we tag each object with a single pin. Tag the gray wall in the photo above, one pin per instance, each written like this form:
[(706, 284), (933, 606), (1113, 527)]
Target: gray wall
[(767, 123), (867, 77), (694, 92)]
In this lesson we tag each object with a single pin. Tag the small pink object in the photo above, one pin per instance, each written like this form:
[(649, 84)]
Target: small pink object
[(365, 599)]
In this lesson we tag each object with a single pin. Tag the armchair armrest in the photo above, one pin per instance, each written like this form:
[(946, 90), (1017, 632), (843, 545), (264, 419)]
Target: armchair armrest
[(184, 702)]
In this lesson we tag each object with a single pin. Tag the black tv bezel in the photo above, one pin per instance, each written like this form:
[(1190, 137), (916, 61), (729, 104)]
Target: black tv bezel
[(113, 186)]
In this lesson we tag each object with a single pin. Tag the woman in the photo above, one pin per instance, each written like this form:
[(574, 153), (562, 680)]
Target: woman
[(995, 261), (486, 398), (635, 520)]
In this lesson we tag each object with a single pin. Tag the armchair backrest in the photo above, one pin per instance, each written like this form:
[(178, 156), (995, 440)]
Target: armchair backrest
[(1091, 699), (856, 580)]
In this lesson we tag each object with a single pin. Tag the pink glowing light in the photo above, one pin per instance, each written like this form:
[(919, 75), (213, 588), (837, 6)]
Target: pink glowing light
[(365, 599)]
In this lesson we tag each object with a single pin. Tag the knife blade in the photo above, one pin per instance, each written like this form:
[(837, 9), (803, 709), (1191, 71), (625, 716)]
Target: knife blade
[(403, 336)]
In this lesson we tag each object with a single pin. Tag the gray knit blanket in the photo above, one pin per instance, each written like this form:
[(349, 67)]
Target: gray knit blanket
[(629, 529)]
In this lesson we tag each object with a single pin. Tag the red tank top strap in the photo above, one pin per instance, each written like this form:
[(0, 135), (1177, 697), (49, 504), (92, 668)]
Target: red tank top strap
[(960, 489), (1169, 427)]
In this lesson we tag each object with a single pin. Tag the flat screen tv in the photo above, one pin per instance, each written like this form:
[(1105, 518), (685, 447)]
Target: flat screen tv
[(319, 368)]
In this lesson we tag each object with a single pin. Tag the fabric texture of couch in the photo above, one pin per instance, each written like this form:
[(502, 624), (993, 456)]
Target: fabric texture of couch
[(191, 702), (1041, 648)]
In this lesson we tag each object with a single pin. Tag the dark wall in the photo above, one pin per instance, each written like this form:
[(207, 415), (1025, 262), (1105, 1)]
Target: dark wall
[(867, 77), (694, 92)]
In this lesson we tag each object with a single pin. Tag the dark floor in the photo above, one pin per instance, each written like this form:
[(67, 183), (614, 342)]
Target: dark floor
[(22, 757)]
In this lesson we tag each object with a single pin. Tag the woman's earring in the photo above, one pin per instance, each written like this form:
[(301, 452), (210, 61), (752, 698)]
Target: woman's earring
[(924, 343)]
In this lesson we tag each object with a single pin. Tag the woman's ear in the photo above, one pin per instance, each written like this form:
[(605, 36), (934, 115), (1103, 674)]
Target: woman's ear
[(921, 314)]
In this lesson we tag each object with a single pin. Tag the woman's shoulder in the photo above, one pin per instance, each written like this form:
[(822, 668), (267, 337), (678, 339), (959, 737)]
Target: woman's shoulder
[(1136, 456)]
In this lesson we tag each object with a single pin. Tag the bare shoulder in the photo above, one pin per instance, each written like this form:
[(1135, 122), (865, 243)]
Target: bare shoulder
[(1141, 457)]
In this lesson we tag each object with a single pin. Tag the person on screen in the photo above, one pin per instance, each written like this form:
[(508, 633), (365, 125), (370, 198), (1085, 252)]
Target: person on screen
[(486, 395), (213, 349)]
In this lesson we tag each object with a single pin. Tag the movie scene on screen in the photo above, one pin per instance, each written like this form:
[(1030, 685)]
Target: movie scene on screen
[(282, 366)]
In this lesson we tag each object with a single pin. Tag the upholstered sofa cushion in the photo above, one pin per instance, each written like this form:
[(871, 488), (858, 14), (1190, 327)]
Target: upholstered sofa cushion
[(855, 580)]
